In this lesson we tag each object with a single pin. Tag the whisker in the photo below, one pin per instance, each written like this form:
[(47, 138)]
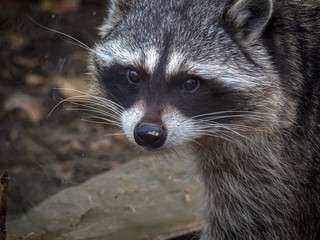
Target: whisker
[(229, 129), (110, 116), (98, 99), (89, 107), (103, 121), (215, 127), (228, 112), (89, 99), (94, 99), (101, 117), (108, 106), (195, 142), (114, 134), (79, 43)]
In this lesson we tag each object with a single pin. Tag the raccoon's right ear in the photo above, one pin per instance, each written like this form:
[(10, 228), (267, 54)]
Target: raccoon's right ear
[(116, 9), (248, 18)]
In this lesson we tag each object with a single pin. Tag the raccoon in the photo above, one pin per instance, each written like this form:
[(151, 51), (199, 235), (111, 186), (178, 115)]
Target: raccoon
[(235, 81)]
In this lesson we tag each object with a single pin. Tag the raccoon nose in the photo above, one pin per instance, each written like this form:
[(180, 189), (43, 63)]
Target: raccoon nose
[(150, 135)]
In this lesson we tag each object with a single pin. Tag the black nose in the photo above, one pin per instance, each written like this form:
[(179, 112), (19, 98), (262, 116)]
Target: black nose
[(150, 135)]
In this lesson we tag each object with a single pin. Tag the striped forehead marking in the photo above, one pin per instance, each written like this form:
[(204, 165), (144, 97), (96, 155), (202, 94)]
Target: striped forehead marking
[(178, 62), (166, 64), (174, 64), (115, 53), (151, 60)]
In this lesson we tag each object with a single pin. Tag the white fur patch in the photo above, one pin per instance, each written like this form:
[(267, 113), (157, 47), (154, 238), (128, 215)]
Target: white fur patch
[(114, 52), (225, 73), (238, 79), (180, 129), (130, 118), (175, 63), (151, 60), (228, 75), (206, 71)]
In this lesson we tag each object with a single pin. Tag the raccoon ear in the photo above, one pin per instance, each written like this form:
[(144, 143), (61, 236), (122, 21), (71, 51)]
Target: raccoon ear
[(248, 18), (115, 12)]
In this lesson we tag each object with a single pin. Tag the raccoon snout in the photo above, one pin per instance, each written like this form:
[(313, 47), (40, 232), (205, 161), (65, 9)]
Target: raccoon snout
[(150, 135)]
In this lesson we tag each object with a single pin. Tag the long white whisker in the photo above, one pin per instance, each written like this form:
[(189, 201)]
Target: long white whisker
[(228, 112), (114, 134), (93, 107), (86, 111), (60, 103), (101, 101), (209, 126), (94, 99), (103, 120), (100, 122), (89, 99), (81, 44), (104, 105)]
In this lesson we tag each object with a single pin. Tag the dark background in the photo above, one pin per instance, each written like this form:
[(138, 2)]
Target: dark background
[(44, 154)]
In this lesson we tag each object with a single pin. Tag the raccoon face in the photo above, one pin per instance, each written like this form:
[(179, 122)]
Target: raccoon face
[(180, 70)]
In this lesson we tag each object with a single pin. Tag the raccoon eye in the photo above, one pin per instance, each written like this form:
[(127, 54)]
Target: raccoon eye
[(191, 85), (133, 77)]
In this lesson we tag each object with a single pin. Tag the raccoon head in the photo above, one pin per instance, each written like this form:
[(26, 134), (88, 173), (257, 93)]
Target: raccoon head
[(180, 70)]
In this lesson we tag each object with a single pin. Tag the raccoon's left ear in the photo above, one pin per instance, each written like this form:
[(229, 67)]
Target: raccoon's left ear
[(248, 18), (116, 10)]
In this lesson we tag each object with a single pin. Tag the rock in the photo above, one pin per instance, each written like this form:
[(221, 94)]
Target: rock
[(139, 200)]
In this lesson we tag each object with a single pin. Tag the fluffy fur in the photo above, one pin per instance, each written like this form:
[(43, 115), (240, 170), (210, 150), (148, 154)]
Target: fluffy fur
[(253, 121)]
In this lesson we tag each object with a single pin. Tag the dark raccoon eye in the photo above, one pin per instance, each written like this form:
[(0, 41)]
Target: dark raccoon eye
[(191, 85), (133, 77)]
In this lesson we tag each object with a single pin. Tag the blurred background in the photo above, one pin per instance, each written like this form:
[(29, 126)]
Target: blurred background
[(46, 153)]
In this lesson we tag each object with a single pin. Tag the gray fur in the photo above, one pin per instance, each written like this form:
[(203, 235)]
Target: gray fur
[(262, 181)]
